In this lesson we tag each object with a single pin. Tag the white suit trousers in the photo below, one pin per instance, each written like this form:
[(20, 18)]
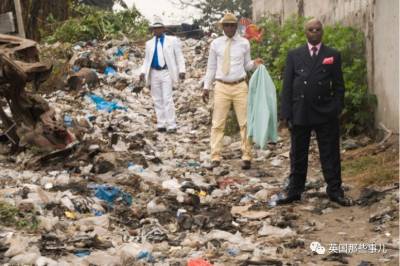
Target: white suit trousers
[(161, 91)]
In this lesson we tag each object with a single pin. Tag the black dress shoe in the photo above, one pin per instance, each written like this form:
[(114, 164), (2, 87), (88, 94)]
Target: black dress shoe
[(161, 129), (288, 199), (171, 131), (342, 200), (246, 164)]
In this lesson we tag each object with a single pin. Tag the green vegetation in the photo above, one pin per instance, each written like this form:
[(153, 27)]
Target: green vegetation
[(369, 168), (213, 10), (358, 115), (89, 23), (11, 216)]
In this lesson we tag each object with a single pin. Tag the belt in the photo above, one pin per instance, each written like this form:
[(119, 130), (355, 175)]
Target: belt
[(232, 82), (160, 68)]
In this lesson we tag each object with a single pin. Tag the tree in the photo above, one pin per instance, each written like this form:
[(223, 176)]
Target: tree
[(213, 10), (36, 13)]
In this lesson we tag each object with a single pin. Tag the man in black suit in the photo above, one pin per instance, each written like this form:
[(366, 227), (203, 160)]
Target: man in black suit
[(312, 99)]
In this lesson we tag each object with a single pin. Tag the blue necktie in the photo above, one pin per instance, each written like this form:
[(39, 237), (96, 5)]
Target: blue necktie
[(160, 53)]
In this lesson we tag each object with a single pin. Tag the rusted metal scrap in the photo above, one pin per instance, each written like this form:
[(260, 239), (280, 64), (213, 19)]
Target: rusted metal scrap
[(32, 120)]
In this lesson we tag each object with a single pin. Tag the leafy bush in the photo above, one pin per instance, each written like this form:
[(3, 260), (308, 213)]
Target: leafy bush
[(358, 114), (88, 23), (13, 217)]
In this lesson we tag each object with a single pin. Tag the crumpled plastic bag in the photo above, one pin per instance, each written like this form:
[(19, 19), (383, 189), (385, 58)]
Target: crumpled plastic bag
[(262, 108), (110, 194), (198, 262), (102, 104)]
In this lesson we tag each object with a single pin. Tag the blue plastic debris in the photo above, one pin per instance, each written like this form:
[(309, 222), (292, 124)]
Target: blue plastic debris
[(102, 104), (146, 255), (76, 68), (97, 212), (110, 71), (90, 117), (110, 194), (135, 167), (82, 253), (233, 251), (68, 120), (193, 163), (119, 52)]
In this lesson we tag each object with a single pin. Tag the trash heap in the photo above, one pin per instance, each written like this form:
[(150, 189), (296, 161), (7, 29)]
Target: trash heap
[(124, 194)]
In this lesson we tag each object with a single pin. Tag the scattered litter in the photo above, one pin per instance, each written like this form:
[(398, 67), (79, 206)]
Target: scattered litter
[(198, 262), (82, 253), (121, 193)]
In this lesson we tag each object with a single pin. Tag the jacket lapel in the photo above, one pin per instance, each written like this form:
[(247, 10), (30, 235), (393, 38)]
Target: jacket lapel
[(165, 44), (152, 47), (305, 55)]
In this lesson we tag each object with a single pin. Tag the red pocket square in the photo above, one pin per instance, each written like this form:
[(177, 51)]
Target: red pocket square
[(328, 61)]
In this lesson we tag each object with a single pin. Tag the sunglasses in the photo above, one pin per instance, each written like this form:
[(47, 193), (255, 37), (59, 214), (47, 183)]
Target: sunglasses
[(229, 25)]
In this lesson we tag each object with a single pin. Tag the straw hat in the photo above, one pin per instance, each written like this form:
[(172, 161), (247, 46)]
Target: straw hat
[(228, 18)]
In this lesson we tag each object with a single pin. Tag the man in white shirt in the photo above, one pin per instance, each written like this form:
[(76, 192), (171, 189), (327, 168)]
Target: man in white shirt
[(228, 61), (163, 64)]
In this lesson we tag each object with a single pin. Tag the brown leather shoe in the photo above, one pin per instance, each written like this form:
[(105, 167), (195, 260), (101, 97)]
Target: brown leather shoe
[(246, 164), (214, 164)]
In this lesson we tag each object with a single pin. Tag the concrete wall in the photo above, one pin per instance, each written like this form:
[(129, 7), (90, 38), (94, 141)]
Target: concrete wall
[(386, 61), (378, 19)]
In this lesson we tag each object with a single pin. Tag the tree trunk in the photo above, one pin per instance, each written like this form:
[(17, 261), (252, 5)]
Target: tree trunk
[(36, 12)]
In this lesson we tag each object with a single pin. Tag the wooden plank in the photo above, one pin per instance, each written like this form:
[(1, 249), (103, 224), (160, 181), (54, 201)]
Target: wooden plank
[(7, 23), (20, 21)]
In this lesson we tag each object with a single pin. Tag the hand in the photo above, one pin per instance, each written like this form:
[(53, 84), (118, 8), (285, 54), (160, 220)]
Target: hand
[(182, 76), (141, 77), (206, 96), (286, 123), (290, 125), (258, 61)]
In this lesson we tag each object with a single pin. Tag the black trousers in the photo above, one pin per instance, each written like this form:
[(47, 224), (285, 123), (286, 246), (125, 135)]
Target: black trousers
[(328, 144)]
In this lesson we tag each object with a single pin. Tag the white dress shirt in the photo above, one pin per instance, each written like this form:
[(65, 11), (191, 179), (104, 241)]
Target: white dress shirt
[(310, 46), (240, 60)]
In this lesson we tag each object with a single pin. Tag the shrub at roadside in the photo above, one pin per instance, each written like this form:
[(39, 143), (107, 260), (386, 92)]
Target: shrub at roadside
[(88, 23)]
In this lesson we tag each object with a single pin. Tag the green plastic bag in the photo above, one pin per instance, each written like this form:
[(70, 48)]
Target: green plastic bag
[(262, 108)]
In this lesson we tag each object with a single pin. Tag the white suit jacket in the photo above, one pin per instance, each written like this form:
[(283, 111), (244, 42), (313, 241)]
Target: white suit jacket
[(172, 54)]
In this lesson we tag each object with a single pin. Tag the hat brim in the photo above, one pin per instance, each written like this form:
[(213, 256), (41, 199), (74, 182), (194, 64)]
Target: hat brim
[(221, 23), (157, 26)]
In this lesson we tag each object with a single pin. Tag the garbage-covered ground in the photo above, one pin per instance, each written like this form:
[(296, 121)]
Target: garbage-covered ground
[(124, 194)]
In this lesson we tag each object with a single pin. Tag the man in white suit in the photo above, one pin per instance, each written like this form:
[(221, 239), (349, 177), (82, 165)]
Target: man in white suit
[(162, 67)]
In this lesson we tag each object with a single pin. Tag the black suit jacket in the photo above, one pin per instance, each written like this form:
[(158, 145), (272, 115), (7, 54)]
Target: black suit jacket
[(313, 92)]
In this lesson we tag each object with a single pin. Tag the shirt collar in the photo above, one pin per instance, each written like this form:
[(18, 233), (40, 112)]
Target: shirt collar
[(234, 36), (310, 46)]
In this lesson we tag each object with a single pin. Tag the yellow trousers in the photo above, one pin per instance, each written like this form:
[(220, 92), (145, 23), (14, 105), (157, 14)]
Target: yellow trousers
[(224, 96)]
